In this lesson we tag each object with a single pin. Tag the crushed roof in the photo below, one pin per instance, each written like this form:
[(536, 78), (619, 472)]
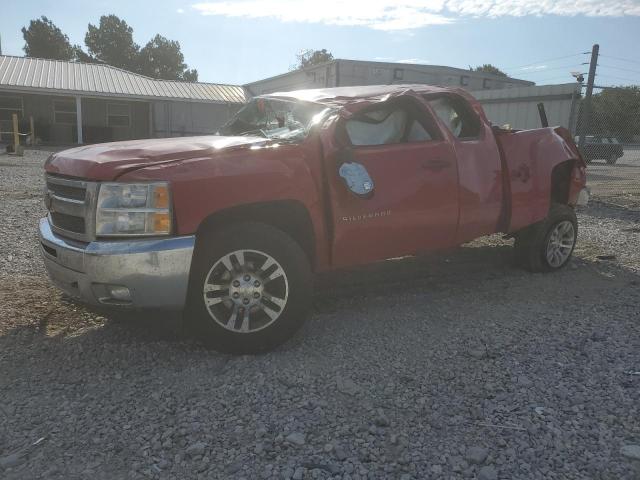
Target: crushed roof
[(348, 95)]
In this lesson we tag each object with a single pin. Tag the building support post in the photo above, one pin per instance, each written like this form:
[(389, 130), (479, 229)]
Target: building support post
[(32, 132), (16, 133), (151, 128), (79, 119)]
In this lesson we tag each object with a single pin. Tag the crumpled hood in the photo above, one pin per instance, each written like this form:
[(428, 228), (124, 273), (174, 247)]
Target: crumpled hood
[(107, 161)]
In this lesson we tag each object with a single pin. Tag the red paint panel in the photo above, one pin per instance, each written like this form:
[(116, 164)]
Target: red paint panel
[(530, 157), (413, 209), (107, 161), (206, 185), (480, 187)]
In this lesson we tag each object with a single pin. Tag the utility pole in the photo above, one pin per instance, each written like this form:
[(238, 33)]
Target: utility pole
[(586, 113)]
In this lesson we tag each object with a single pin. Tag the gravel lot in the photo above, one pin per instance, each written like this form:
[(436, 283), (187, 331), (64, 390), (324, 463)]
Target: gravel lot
[(458, 366), (620, 183)]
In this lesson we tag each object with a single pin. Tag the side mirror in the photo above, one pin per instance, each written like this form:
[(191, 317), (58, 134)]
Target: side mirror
[(355, 176)]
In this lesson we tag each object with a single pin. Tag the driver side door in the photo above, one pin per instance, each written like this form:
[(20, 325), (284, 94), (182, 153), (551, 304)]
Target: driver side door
[(414, 204)]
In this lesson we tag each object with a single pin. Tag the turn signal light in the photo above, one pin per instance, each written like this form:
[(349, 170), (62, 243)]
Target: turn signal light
[(161, 223), (161, 196)]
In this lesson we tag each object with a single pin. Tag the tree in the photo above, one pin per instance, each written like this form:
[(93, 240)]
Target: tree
[(112, 43), (488, 68), (162, 58), (616, 112), (307, 58), (44, 40), (81, 56), (190, 75)]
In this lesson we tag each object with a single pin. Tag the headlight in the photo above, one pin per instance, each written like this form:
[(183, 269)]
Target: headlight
[(133, 209)]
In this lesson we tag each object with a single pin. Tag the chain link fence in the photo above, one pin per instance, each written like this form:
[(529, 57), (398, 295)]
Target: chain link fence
[(608, 134)]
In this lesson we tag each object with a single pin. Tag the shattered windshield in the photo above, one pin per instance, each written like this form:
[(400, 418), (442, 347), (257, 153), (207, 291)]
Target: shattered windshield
[(275, 118)]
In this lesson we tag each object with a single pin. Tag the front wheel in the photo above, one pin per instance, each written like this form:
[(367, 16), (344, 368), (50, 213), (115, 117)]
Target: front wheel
[(250, 288), (548, 245)]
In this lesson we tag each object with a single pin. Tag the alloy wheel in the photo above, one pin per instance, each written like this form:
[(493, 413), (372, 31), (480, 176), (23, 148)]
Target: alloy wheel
[(246, 291), (560, 245)]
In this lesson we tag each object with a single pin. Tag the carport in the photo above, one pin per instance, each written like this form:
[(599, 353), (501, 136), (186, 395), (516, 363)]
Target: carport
[(72, 102), (64, 119)]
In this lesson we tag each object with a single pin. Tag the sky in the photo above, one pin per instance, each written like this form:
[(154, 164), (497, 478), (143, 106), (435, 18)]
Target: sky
[(241, 41)]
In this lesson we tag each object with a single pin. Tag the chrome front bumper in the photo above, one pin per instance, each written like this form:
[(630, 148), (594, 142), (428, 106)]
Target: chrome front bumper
[(154, 271)]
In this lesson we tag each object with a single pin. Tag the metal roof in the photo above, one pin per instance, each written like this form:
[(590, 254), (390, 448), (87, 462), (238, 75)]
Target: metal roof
[(92, 79), (402, 65)]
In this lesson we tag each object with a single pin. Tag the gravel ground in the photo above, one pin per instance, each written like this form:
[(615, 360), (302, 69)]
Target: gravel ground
[(620, 182), (458, 366)]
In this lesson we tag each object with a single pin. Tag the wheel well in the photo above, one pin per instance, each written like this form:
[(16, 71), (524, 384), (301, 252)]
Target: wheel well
[(290, 216), (560, 182)]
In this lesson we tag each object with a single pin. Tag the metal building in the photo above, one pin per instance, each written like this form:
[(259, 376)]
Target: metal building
[(88, 103), (518, 107), (345, 73)]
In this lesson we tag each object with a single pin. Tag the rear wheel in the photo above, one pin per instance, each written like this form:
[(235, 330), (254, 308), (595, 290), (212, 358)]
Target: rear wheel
[(250, 288), (548, 245), (612, 160)]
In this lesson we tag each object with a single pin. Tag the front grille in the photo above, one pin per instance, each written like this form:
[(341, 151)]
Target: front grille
[(71, 205), (68, 222), (66, 191)]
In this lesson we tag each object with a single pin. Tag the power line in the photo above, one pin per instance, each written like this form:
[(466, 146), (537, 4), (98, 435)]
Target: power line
[(547, 60), (622, 59), (634, 80), (620, 68)]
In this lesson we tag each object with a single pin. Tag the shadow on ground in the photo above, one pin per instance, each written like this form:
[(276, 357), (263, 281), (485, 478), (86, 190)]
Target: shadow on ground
[(36, 311)]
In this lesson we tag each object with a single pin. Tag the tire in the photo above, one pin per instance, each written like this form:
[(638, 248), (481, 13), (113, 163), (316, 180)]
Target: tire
[(612, 160), (254, 251), (534, 243)]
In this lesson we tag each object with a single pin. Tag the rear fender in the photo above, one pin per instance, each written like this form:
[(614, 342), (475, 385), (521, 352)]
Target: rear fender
[(535, 163)]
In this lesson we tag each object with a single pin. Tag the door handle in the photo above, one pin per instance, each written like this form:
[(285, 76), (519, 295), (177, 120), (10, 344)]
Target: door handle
[(435, 164)]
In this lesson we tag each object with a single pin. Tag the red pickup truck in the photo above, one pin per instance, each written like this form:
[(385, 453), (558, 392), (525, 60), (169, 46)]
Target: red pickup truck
[(230, 228)]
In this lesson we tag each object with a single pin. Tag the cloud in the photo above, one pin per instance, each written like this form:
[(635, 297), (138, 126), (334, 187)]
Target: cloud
[(534, 68), (398, 15), (180, 10), (376, 14)]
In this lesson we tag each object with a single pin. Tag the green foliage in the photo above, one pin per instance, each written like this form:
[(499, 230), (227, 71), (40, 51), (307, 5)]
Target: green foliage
[(44, 40), (307, 58), (81, 56), (488, 68), (616, 112), (190, 75), (112, 43), (162, 58)]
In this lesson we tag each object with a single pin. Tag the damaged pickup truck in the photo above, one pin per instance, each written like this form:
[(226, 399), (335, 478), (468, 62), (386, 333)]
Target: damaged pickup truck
[(231, 228)]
